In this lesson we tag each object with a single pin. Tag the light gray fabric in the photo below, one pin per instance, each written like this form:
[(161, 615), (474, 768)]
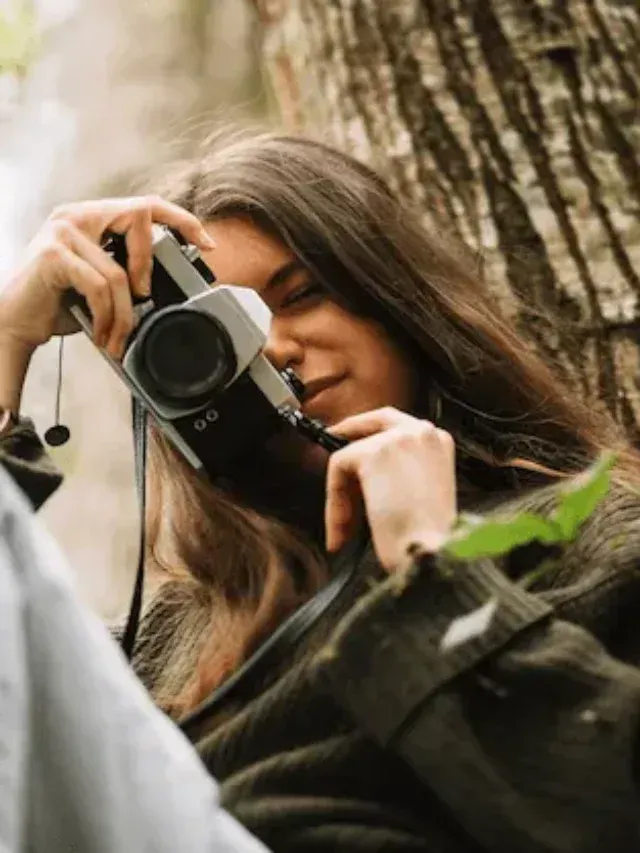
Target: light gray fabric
[(87, 763)]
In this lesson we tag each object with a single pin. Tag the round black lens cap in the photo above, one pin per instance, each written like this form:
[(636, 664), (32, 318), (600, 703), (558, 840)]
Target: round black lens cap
[(57, 435)]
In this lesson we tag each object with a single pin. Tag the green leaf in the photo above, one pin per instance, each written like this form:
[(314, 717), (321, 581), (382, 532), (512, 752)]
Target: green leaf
[(19, 36), (477, 536), (582, 495), (492, 537)]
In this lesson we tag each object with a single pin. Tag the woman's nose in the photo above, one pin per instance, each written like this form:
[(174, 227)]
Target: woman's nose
[(283, 349)]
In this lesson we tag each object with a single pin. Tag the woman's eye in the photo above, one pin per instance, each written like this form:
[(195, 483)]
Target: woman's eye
[(302, 293)]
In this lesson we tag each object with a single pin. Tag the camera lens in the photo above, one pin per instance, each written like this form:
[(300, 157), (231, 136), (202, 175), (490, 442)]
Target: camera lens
[(186, 354)]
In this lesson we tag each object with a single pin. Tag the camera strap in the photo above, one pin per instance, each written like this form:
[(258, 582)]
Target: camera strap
[(284, 638), (139, 424), (282, 641)]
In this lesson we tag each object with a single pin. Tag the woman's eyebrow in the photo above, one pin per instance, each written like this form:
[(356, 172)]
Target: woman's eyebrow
[(283, 274)]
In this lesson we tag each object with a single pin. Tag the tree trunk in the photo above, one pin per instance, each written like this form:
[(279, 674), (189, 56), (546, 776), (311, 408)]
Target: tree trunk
[(513, 121)]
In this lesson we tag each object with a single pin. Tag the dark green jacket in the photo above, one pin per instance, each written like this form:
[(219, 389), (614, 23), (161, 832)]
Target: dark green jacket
[(370, 738)]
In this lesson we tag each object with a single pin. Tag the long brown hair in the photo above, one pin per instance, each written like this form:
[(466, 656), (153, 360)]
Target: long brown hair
[(510, 417)]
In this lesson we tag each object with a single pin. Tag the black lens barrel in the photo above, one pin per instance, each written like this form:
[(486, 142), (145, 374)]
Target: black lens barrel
[(184, 354)]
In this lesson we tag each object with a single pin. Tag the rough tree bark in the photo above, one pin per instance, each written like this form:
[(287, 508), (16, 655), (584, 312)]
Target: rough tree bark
[(516, 122)]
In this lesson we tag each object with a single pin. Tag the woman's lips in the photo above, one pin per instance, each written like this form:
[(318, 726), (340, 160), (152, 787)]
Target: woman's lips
[(315, 393)]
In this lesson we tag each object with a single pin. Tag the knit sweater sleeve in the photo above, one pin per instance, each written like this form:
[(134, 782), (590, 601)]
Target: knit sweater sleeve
[(23, 456), (527, 732)]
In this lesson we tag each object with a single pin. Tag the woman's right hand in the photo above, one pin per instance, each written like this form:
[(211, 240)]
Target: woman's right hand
[(66, 253)]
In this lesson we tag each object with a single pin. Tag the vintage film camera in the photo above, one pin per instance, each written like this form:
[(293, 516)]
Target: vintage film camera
[(195, 360)]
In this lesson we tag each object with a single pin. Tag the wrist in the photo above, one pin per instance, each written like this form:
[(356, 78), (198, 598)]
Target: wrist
[(8, 421), (15, 357), (13, 345)]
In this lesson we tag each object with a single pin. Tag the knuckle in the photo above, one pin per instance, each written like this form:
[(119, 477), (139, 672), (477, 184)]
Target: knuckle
[(388, 413), (62, 230), (151, 200), (425, 429), (446, 439), (117, 276), (52, 252), (141, 219), (340, 460), (337, 459), (61, 211), (333, 467), (373, 450), (99, 288), (403, 439), (123, 324)]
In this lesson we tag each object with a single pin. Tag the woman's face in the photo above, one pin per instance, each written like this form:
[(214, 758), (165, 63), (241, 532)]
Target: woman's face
[(348, 364)]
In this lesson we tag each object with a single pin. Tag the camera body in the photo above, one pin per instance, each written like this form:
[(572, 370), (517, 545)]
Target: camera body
[(195, 359)]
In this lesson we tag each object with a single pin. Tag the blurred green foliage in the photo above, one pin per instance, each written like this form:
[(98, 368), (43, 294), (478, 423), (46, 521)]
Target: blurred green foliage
[(20, 37), (477, 536)]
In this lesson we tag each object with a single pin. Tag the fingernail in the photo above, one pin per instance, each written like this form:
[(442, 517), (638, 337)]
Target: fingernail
[(331, 542), (207, 241), (115, 350), (145, 284)]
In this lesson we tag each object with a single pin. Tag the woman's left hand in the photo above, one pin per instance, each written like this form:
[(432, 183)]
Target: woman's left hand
[(403, 470)]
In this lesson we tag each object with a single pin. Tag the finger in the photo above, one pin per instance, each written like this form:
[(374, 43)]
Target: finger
[(87, 281), (118, 214), (186, 223), (370, 423), (123, 320), (343, 508), (165, 213), (122, 317), (138, 240), (447, 442)]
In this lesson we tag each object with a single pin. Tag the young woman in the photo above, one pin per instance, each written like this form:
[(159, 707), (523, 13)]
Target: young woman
[(365, 735)]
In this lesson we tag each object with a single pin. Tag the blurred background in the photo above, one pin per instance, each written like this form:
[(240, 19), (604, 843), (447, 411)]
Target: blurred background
[(94, 94)]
